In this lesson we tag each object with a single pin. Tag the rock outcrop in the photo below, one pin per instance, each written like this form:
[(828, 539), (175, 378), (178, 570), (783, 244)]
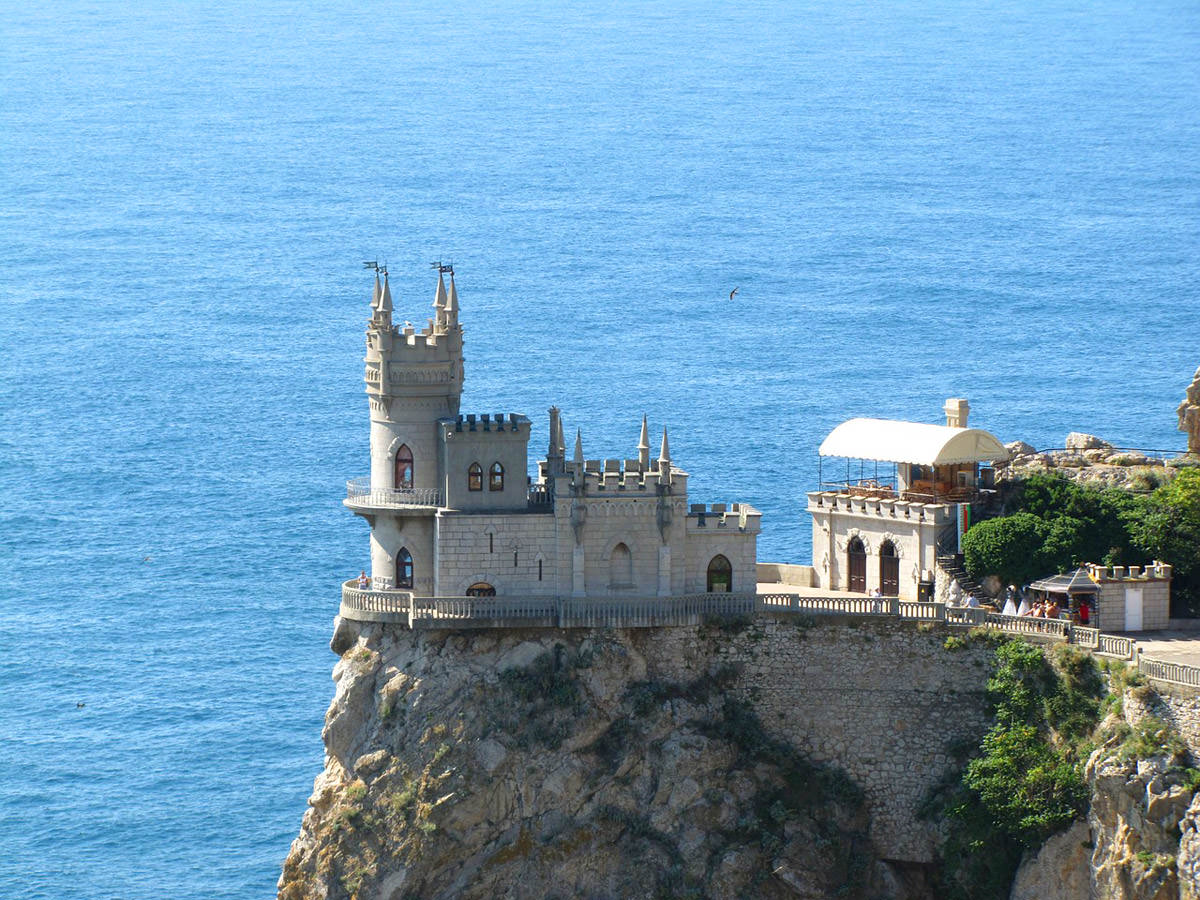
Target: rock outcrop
[(647, 763)]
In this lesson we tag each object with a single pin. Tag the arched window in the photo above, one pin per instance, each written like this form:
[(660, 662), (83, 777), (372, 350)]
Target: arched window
[(720, 575), (404, 569), (404, 469), (475, 477), (889, 570), (620, 567), (496, 477), (481, 589), (856, 556)]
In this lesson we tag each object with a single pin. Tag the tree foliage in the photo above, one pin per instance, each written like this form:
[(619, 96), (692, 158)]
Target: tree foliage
[(1026, 783), (1167, 527), (1057, 525), (1010, 546)]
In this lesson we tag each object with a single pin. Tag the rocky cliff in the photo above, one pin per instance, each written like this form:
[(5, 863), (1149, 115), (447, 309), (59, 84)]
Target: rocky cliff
[(754, 760), (1141, 840), (765, 759)]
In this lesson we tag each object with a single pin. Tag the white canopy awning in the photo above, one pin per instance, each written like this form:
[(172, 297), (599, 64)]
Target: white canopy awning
[(885, 440)]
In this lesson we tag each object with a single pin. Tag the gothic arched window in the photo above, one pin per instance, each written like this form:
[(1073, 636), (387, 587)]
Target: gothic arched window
[(496, 477), (404, 469), (475, 477), (720, 575), (404, 569)]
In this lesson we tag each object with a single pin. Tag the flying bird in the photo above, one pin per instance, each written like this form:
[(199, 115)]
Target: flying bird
[(734, 291)]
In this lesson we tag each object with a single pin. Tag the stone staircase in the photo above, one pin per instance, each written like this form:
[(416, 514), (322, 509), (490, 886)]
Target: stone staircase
[(952, 565)]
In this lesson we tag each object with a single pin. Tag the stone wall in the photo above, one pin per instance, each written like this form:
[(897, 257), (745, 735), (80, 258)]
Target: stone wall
[(882, 700)]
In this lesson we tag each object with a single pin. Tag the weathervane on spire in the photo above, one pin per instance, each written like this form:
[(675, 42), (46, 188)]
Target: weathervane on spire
[(374, 264), (443, 268)]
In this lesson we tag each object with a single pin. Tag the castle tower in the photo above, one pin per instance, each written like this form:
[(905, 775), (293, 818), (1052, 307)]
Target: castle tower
[(413, 379)]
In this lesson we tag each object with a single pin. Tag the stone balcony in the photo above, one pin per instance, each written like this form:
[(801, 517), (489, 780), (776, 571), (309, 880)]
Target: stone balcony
[(361, 497)]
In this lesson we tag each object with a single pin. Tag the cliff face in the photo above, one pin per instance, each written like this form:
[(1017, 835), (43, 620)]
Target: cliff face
[(1141, 840), (767, 761)]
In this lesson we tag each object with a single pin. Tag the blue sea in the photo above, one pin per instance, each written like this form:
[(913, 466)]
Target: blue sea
[(914, 200)]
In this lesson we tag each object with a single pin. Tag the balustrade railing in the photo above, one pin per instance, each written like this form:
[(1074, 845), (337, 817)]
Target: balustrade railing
[(1114, 645), (1177, 673), (360, 493), (1029, 625), (385, 605)]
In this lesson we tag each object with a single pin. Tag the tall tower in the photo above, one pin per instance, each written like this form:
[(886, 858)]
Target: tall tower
[(413, 379)]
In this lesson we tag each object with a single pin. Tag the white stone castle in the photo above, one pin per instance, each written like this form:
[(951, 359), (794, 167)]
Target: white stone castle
[(454, 514)]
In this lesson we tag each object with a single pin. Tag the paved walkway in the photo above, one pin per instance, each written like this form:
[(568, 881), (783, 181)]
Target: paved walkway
[(1168, 646)]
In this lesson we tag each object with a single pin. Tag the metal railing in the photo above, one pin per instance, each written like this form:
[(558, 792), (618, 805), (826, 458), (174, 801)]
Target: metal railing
[(360, 493)]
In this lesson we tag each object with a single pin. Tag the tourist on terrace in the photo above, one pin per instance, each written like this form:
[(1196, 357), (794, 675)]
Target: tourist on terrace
[(1052, 609), (1085, 612), (363, 581), (1010, 604)]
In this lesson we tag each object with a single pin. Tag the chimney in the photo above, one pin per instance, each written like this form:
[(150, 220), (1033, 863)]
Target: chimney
[(957, 409)]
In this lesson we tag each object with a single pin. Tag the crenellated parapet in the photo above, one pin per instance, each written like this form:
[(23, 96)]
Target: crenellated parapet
[(880, 508), (1156, 571), (734, 516)]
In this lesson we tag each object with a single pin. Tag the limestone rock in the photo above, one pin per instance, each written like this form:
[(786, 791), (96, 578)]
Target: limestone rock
[(1020, 448), (1135, 814), (634, 763), (1078, 440), (1188, 861), (1060, 870)]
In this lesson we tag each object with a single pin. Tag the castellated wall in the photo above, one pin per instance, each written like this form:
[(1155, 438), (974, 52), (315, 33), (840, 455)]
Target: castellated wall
[(884, 701)]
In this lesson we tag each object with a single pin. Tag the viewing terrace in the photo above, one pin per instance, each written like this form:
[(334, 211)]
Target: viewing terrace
[(457, 613), (360, 496)]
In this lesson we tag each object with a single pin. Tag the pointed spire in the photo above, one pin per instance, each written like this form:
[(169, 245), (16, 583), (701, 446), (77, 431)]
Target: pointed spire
[(643, 446), (452, 303), (375, 294), (439, 298), (439, 303), (554, 450), (579, 447), (664, 461), (559, 443), (385, 300)]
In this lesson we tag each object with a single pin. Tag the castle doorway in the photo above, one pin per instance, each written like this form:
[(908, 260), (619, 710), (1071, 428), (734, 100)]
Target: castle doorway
[(889, 570), (404, 469), (856, 555), (720, 575), (481, 589)]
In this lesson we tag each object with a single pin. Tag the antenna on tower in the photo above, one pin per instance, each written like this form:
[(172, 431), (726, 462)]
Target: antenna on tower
[(443, 268)]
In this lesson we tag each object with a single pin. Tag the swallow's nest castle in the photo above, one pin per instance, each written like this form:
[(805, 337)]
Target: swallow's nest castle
[(454, 513)]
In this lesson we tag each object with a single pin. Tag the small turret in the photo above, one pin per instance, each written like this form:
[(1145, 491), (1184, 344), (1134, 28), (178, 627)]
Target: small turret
[(664, 460), (381, 303), (554, 452), (644, 446), (451, 303), (439, 304), (577, 463)]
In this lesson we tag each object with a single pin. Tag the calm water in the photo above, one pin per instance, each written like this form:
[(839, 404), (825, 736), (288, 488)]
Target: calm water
[(916, 201)]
